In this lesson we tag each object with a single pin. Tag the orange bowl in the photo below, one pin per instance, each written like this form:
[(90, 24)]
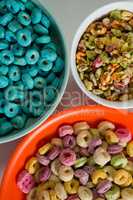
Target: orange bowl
[(46, 131)]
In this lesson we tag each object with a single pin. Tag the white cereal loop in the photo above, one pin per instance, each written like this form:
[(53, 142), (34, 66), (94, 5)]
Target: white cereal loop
[(80, 126), (105, 125), (66, 173), (85, 193), (55, 165), (83, 138), (60, 191), (127, 194)]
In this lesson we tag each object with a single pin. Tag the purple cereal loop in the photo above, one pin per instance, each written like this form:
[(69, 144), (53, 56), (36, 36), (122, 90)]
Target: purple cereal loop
[(53, 153), (83, 151), (123, 134), (89, 169), (93, 144), (114, 149), (73, 197), (44, 174), (65, 130), (25, 182), (67, 157), (43, 160), (82, 175), (103, 186), (69, 141)]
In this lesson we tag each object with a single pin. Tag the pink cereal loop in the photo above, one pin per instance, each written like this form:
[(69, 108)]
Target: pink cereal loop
[(65, 130)]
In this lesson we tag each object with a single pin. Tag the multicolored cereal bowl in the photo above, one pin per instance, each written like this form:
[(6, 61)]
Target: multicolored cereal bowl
[(48, 130), (87, 87), (34, 122)]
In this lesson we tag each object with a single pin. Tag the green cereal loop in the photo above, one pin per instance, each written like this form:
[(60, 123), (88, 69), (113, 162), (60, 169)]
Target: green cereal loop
[(113, 193), (119, 161), (80, 162)]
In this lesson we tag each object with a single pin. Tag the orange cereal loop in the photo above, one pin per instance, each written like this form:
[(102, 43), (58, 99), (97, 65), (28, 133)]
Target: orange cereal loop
[(79, 55)]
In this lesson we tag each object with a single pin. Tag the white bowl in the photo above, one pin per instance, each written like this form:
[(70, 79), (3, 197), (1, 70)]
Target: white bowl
[(123, 5)]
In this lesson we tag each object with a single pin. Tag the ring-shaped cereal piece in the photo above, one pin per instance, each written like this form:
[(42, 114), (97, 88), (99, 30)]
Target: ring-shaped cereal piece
[(55, 166), (85, 193), (44, 149), (66, 173), (80, 126), (72, 186), (127, 194), (121, 177), (32, 194), (97, 175), (83, 138), (32, 165), (60, 191), (105, 125)]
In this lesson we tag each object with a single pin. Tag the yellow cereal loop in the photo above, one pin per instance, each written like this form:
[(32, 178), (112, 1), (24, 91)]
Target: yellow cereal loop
[(57, 142), (130, 149), (129, 167), (72, 186), (53, 195), (32, 165), (111, 137), (44, 149), (98, 175), (121, 177), (129, 181)]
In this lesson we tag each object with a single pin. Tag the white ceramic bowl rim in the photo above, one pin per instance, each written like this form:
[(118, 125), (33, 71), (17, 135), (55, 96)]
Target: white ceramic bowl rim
[(122, 5)]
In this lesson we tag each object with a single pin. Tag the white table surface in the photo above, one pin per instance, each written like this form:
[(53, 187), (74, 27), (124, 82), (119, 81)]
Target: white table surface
[(68, 14)]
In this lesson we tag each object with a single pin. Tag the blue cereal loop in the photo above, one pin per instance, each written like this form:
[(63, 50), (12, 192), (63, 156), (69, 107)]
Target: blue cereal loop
[(49, 54), (59, 65), (3, 81), (28, 81), (24, 18), (5, 127), (45, 21), (43, 39), (10, 36), (5, 19), (36, 15), (11, 110), (24, 37), (4, 69), (10, 93), (14, 26), (6, 57), (38, 28), (14, 73), (20, 61), (45, 65), (18, 122), (39, 82), (18, 50), (32, 56)]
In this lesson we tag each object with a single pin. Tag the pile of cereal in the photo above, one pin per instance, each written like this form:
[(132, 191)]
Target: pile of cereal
[(31, 65), (104, 56), (83, 163)]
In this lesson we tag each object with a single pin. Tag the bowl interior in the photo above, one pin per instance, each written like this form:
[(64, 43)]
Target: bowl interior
[(45, 132), (35, 122), (123, 5)]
